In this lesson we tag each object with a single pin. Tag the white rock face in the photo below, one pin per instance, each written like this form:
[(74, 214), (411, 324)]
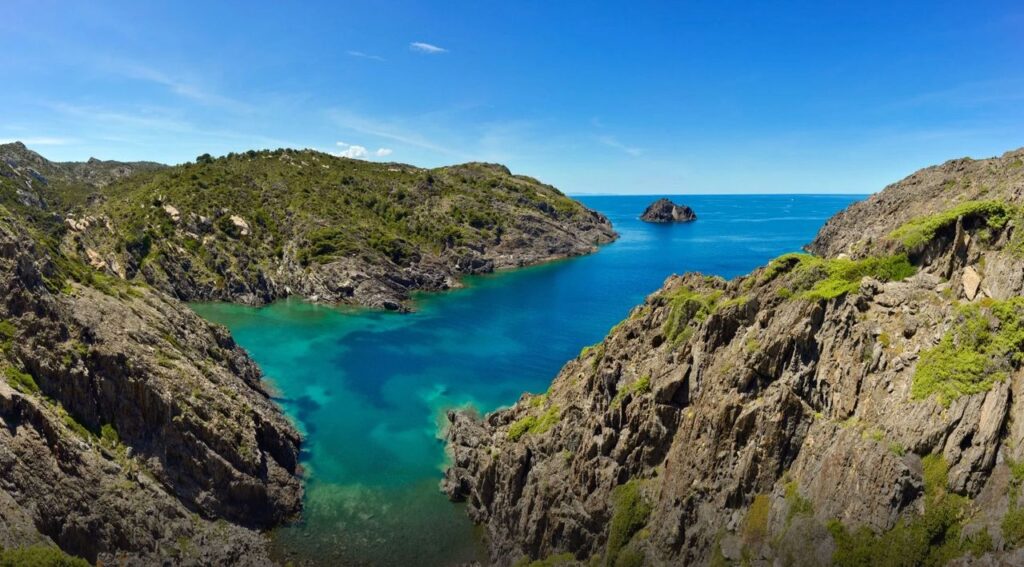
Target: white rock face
[(971, 283), (239, 222), (172, 212), (95, 260)]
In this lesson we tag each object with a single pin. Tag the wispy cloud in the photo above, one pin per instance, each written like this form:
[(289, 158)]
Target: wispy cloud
[(176, 85), (383, 152), (613, 142), (426, 48), (361, 55)]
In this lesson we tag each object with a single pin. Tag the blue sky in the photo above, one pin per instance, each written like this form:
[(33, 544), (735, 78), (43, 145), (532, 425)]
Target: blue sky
[(674, 97)]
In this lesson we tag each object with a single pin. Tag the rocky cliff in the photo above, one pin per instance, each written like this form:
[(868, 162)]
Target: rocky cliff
[(133, 431), (260, 226), (860, 406)]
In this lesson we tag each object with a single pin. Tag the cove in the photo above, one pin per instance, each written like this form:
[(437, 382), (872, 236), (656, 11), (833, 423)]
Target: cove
[(369, 389)]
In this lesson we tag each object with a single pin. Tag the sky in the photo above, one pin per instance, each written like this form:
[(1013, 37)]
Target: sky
[(593, 97)]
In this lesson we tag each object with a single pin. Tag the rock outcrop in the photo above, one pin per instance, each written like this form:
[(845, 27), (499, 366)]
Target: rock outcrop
[(862, 406), (664, 210), (133, 432)]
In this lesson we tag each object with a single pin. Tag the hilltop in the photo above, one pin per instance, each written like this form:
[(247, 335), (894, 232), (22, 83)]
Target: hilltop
[(263, 225), (856, 406)]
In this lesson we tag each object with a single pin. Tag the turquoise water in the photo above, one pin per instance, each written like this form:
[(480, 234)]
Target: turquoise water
[(369, 389)]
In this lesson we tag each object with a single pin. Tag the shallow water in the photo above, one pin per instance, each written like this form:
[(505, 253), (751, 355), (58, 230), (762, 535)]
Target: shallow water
[(369, 389)]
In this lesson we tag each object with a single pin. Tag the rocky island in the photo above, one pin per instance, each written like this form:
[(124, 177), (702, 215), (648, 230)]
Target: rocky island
[(664, 210), (136, 433), (862, 404)]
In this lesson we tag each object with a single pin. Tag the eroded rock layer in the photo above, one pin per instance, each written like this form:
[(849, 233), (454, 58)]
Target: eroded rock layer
[(862, 406)]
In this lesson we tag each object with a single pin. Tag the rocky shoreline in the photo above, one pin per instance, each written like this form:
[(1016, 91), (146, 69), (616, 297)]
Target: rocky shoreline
[(862, 406)]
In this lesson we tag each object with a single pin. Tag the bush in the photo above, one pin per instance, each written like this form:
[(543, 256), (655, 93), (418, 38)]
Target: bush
[(983, 346), (922, 230), (534, 424), (686, 306), (822, 279), (21, 381), (933, 538), (630, 512)]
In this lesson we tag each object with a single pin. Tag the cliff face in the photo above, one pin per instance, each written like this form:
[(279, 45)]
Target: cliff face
[(859, 407), (260, 226), (131, 428)]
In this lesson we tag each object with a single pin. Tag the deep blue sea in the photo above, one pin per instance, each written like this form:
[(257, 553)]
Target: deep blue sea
[(370, 389)]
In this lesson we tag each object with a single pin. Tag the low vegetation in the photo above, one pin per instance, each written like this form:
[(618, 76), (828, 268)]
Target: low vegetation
[(630, 511), (535, 424), (983, 346), (814, 278), (639, 386), (921, 230), (38, 556), (933, 538), (687, 306)]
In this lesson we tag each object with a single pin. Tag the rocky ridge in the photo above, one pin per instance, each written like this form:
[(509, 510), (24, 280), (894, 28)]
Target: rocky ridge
[(859, 407), (664, 210), (255, 227)]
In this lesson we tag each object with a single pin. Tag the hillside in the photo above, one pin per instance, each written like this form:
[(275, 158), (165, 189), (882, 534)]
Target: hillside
[(134, 432), (858, 407), (260, 226)]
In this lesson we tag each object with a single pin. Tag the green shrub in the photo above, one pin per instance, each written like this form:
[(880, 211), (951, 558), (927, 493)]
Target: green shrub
[(21, 381), (798, 505), (922, 230), (755, 524), (639, 386), (933, 538), (39, 556), (686, 306), (817, 278), (630, 511), (844, 275), (534, 424), (983, 346)]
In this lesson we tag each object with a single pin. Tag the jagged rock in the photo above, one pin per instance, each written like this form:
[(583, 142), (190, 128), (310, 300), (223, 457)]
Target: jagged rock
[(771, 417), (138, 427), (240, 224), (971, 281), (664, 210)]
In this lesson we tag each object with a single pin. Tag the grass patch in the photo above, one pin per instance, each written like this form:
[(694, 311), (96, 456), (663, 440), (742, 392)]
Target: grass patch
[(798, 505), (641, 386), (39, 556), (983, 346), (755, 524), (533, 424), (922, 230), (810, 277), (933, 538), (630, 511), (687, 306), (21, 381)]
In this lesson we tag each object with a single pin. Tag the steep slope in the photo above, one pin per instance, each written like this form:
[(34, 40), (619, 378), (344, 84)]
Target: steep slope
[(861, 407), (260, 226), (132, 429), (30, 180)]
